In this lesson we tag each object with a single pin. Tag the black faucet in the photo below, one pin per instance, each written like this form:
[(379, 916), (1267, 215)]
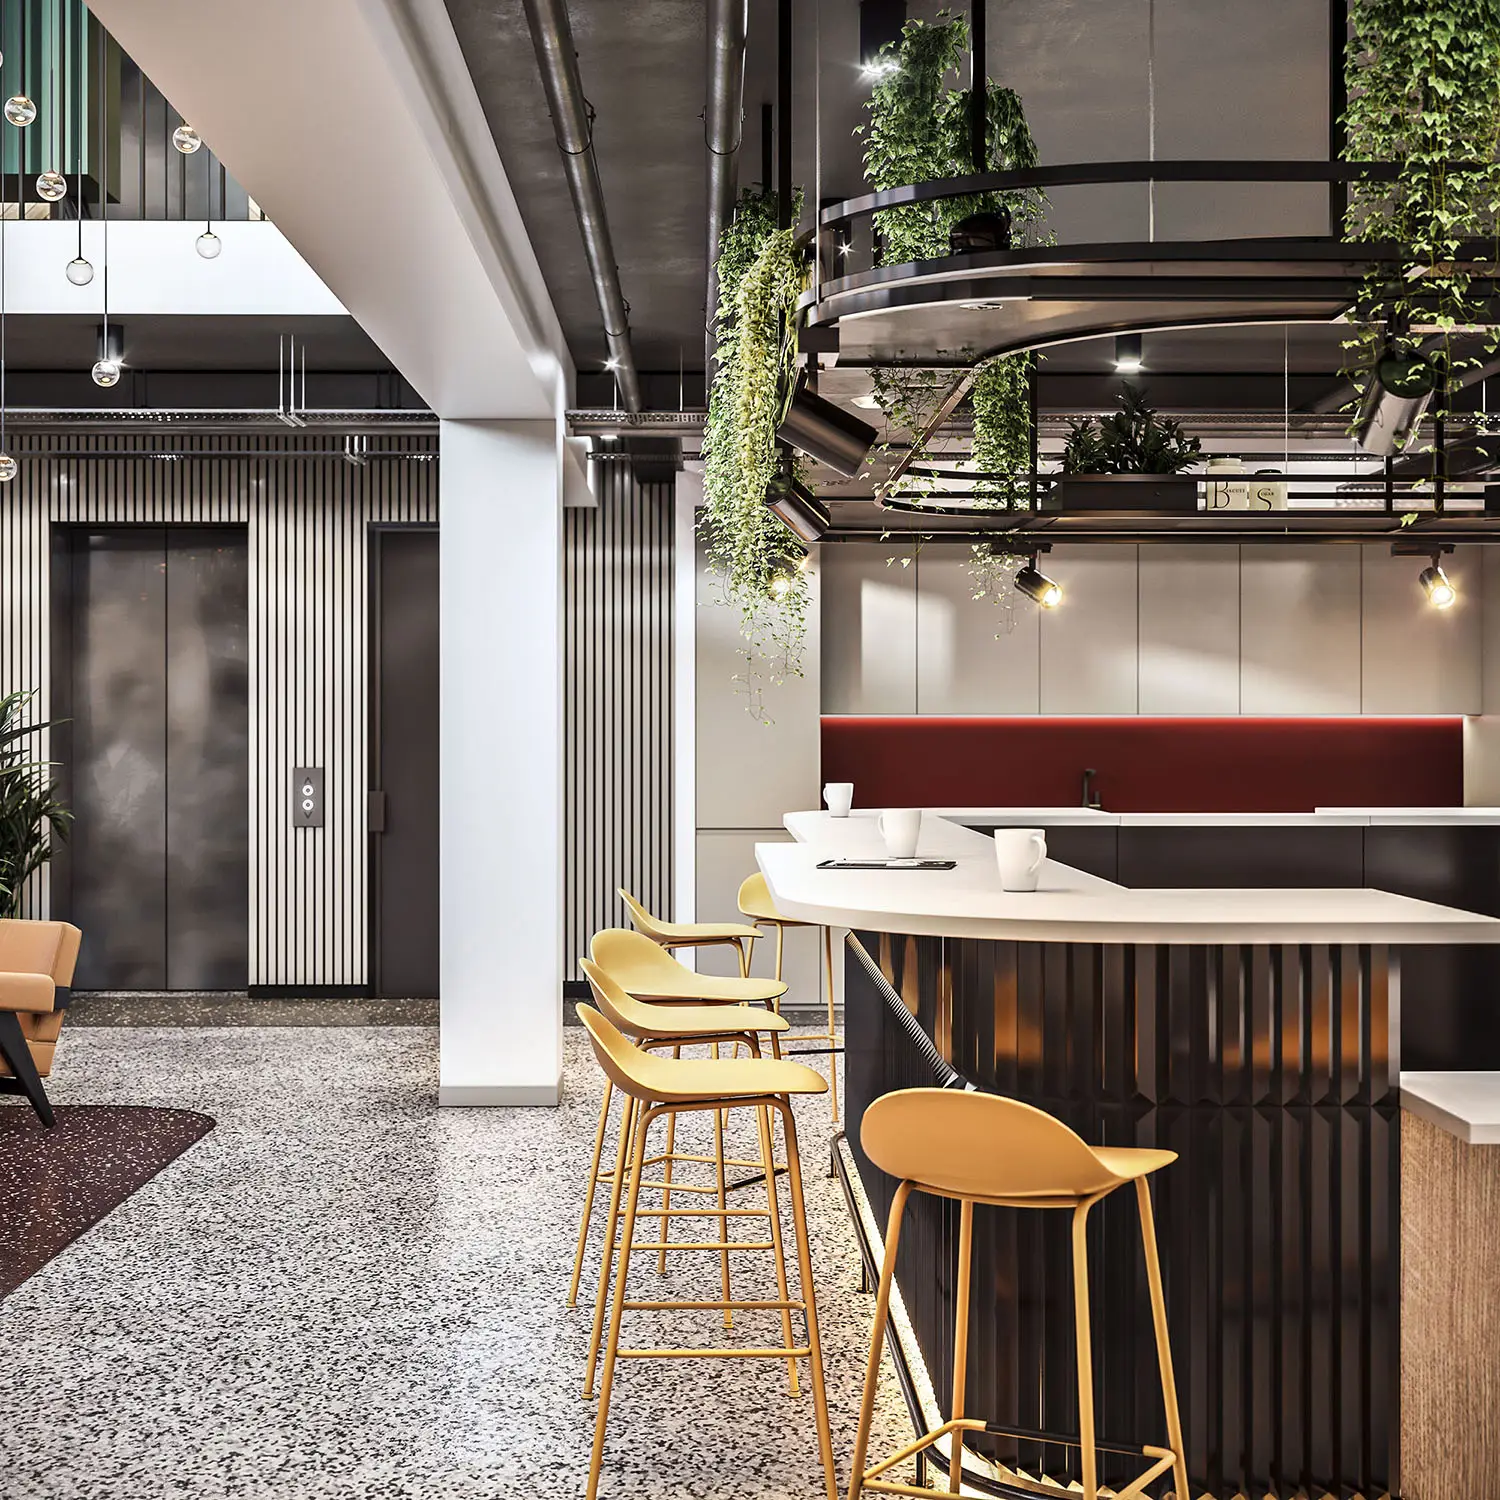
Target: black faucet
[(1090, 796)]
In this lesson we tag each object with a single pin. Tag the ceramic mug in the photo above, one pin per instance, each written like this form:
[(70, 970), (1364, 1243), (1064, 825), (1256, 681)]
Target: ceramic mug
[(899, 827), (839, 795), (1019, 852)]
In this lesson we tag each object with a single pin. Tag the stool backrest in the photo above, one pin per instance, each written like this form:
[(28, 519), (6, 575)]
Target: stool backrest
[(755, 893), (643, 919), (980, 1146), (635, 963)]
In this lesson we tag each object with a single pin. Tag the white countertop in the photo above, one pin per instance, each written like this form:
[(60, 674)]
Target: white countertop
[(1464, 1104), (1069, 906)]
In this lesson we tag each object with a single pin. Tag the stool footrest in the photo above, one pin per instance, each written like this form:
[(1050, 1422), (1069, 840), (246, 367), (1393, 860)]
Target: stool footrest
[(1069, 1440), (799, 1351), (656, 1246), (754, 1306)]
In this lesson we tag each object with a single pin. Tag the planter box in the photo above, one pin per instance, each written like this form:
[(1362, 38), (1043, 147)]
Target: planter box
[(1171, 494)]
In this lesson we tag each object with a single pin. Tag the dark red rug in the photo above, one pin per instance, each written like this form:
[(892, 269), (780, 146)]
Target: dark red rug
[(55, 1184)]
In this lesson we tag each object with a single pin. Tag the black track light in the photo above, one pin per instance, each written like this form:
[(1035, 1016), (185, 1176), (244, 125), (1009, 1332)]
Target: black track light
[(1438, 587), (1401, 385), (798, 509), (1037, 586), (826, 432), (880, 23)]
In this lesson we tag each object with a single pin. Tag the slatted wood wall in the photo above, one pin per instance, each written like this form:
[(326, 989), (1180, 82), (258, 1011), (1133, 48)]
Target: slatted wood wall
[(618, 613), (308, 520)]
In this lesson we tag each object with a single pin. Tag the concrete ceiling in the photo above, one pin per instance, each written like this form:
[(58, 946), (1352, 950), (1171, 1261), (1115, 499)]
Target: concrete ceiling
[(1232, 80)]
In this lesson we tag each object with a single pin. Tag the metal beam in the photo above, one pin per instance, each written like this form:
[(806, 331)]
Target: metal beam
[(572, 121)]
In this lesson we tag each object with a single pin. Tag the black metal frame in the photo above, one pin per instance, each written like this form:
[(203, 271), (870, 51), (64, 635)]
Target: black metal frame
[(24, 1077)]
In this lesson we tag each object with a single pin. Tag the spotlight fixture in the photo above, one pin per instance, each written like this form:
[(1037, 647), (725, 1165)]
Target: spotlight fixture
[(826, 432), (1129, 353), (1437, 586), (880, 23), (798, 509), (1400, 387), (1041, 590), (1441, 591)]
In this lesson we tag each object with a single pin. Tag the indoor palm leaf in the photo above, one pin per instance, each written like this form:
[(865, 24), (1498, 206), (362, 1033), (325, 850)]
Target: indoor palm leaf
[(30, 813)]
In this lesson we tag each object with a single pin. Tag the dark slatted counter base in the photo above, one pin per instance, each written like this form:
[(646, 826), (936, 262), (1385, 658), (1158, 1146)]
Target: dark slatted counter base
[(1271, 1071)]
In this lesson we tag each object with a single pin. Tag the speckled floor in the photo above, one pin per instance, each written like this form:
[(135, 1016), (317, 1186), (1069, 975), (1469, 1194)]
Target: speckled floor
[(345, 1292)]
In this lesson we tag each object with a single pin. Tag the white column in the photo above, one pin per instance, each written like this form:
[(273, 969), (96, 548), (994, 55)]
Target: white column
[(502, 760)]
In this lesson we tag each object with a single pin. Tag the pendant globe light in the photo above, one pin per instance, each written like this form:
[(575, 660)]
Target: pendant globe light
[(106, 371), (20, 110), (186, 139), (51, 185), (80, 270), (8, 465)]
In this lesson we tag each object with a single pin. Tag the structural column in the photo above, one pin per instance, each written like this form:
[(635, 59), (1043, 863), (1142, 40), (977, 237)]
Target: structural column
[(502, 759)]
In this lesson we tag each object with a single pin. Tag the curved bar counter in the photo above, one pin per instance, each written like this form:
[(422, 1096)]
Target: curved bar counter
[(1256, 1032)]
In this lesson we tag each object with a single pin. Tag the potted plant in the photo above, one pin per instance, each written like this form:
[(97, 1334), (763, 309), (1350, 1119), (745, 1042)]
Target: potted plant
[(1130, 460), (30, 814)]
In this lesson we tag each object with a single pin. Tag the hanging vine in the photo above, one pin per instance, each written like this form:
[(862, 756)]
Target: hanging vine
[(1001, 396), (918, 131), (1424, 92), (762, 273)]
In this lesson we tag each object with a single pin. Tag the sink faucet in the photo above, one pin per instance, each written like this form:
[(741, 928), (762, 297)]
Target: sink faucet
[(1090, 796)]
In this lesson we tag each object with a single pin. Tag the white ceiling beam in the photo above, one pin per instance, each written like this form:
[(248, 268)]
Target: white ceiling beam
[(356, 127)]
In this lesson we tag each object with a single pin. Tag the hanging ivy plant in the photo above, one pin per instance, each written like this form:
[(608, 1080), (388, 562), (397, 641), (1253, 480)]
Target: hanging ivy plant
[(762, 273), (919, 131), (1001, 397), (1424, 91)]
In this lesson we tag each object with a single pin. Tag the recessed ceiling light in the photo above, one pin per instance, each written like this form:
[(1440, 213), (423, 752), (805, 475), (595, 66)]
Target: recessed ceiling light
[(982, 306), (1129, 353)]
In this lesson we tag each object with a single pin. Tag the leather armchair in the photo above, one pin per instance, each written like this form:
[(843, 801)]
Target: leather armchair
[(36, 971)]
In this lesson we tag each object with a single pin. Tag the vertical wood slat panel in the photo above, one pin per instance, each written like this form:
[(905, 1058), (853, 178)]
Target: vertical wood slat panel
[(617, 705), (308, 520)]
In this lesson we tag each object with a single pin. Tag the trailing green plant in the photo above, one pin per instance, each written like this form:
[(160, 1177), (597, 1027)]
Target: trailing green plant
[(1001, 397), (31, 816), (1423, 83), (1133, 440), (762, 273), (919, 130)]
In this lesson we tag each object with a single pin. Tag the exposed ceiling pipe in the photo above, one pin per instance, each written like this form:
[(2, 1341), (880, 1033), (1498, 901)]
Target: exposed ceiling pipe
[(723, 129), (557, 58)]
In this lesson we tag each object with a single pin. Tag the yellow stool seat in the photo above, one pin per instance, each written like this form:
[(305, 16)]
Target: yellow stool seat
[(649, 972), (685, 1023), (985, 1149), (686, 934), (682, 1080)]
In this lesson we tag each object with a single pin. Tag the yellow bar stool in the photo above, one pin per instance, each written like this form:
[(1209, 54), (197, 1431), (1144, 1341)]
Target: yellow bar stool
[(980, 1148), (648, 972), (653, 1026), (673, 935), (664, 1086), (755, 902)]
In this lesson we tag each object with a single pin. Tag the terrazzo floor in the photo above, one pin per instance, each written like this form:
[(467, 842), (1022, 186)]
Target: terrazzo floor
[(344, 1292)]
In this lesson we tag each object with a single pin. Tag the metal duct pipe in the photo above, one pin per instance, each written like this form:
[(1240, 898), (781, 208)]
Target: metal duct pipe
[(557, 58), (723, 124)]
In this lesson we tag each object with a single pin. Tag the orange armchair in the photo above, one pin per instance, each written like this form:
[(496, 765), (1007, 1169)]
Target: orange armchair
[(36, 969)]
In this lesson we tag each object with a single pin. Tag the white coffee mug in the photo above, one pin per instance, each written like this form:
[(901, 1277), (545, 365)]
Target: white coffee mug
[(1019, 852), (839, 795), (899, 827)]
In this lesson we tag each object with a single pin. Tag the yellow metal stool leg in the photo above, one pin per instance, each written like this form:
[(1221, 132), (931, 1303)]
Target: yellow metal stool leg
[(767, 1156), (877, 1340), (809, 1301), (833, 1057), (666, 1196), (960, 1344), (1087, 1458), (1163, 1343), (723, 1220), (612, 1344), (611, 1229), (588, 1200)]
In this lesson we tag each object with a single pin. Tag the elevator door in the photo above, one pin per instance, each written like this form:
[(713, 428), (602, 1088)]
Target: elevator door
[(154, 682), (404, 764)]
